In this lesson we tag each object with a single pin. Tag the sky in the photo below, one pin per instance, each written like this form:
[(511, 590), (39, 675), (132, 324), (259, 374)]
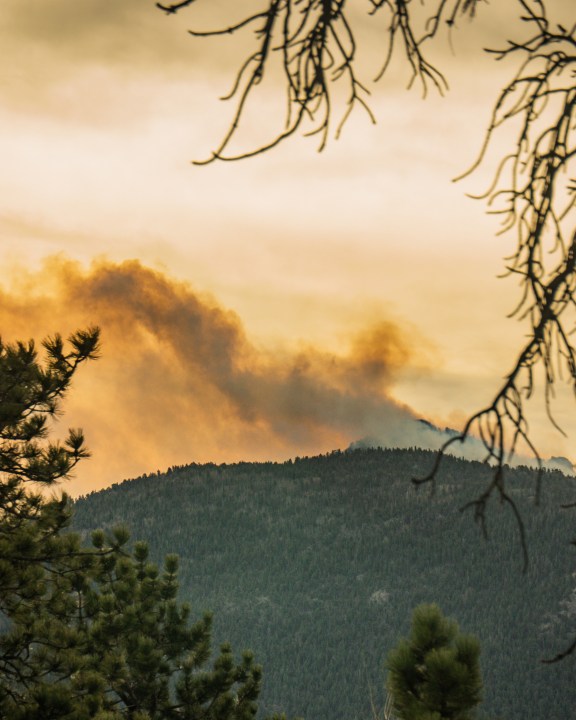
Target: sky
[(284, 305)]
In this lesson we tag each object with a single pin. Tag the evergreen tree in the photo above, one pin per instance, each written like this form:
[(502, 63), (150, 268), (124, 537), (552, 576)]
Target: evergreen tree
[(110, 641), (34, 552), (89, 632), (435, 673)]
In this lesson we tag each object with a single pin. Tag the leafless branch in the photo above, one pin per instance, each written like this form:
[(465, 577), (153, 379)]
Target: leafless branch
[(534, 197), (173, 8), (561, 655), (314, 44), (534, 190)]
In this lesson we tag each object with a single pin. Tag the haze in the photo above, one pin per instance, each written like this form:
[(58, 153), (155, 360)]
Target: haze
[(289, 304)]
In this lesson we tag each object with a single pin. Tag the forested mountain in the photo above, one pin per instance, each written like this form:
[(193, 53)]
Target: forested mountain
[(316, 565)]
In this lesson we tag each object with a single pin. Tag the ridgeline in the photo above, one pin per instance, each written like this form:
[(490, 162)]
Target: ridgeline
[(316, 565)]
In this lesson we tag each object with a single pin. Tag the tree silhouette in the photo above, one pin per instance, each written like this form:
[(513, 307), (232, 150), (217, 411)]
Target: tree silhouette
[(314, 44)]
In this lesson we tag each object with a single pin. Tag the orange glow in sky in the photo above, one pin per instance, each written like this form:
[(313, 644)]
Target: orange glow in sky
[(284, 305)]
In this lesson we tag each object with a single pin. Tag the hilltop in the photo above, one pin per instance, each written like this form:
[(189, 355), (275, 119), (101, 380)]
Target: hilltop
[(317, 563)]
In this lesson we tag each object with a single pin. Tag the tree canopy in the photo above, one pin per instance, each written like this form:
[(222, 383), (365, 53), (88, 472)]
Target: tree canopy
[(313, 42)]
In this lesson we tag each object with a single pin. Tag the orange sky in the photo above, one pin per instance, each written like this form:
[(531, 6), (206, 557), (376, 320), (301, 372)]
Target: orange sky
[(313, 263)]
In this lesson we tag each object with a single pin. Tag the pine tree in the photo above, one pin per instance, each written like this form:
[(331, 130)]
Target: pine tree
[(111, 642), (34, 551), (89, 632), (435, 673)]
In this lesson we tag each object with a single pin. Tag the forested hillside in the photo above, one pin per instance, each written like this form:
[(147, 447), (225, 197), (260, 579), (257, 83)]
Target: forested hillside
[(317, 563)]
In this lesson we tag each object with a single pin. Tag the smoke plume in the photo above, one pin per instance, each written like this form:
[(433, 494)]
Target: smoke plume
[(179, 381)]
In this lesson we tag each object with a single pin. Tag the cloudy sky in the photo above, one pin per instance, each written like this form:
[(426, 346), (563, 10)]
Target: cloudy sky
[(284, 305)]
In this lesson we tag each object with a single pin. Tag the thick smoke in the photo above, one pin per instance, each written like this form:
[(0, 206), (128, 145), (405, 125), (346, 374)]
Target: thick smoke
[(179, 381)]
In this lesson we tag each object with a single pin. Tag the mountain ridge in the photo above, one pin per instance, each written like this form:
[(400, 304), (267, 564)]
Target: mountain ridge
[(316, 564)]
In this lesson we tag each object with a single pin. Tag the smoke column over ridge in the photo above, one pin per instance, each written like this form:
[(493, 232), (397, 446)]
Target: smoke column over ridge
[(179, 381)]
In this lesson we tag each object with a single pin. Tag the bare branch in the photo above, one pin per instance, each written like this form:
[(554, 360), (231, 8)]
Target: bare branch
[(533, 192), (314, 44), (534, 200), (561, 655), (173, 8)]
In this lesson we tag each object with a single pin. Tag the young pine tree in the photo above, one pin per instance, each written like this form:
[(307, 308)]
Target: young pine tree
[(434, 674)]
